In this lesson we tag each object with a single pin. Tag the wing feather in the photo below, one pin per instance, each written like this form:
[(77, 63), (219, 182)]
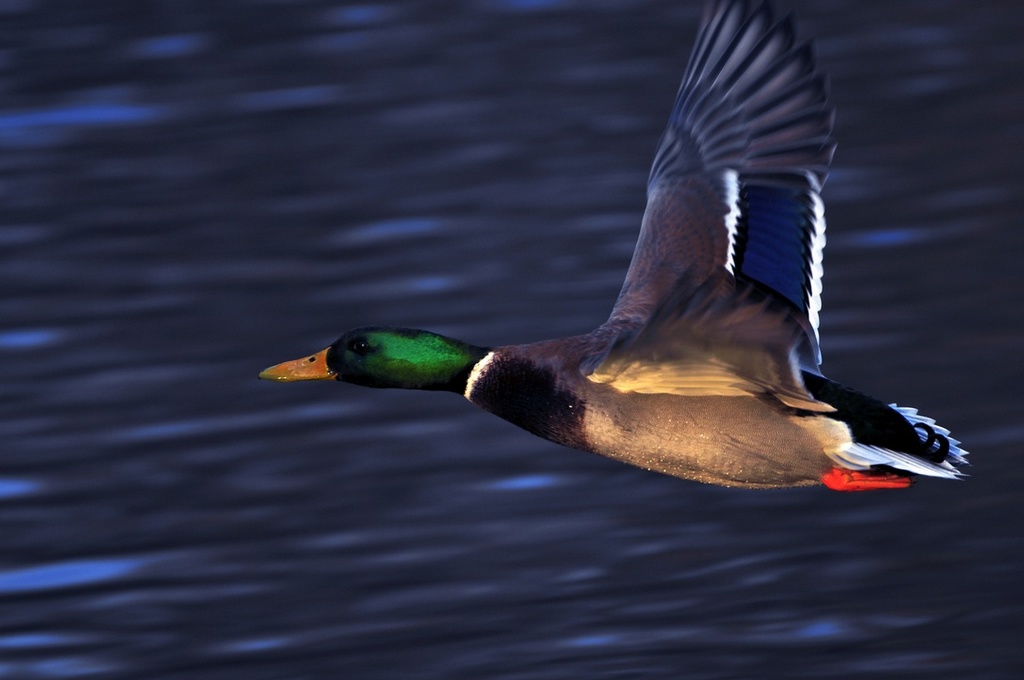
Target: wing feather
[(735, 182)]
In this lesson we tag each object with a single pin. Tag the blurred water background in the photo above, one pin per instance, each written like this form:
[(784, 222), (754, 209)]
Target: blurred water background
[(193, 190)]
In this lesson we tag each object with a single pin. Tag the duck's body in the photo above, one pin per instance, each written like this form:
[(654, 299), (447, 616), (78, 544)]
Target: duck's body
[(741, 440), (707, 368), (747, 442)]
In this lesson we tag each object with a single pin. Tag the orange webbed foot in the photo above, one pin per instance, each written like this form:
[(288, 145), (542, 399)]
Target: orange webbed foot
[(839, 479)]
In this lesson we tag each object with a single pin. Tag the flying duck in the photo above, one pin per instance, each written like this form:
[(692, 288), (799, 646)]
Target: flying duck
[(708, 366)]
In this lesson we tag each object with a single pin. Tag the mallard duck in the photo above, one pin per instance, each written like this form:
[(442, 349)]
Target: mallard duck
[(708, 367)]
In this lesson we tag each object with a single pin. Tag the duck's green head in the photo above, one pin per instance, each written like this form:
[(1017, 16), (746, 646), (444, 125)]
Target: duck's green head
[(377, 356)]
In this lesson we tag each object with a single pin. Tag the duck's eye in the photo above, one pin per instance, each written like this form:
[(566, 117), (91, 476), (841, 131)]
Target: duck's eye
[(359, 346)]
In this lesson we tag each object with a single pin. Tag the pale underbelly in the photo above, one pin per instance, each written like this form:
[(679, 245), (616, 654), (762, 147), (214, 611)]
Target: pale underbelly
[(734, 441)]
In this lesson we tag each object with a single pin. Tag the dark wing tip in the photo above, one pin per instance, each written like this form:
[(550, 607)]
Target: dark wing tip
[(751, 99)]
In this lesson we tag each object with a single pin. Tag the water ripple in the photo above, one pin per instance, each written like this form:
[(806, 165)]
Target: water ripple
[(76, 115), (29, 338), (12, 488), (525, 483), (386, 230), (169, 46), (67, 574), (36, 640)]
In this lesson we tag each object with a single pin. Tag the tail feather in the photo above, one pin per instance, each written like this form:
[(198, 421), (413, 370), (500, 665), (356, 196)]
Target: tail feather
[(956, 455), (859, 456), (856, 456)]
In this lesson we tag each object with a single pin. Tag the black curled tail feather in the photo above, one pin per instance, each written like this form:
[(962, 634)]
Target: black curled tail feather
[(886, 435), (937, 445)]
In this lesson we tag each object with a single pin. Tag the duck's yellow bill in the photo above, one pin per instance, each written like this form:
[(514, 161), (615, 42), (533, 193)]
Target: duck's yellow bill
[(307, 368)]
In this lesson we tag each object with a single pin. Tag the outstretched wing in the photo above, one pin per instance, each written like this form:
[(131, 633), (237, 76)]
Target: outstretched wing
[(735, 181), (706, 340)]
